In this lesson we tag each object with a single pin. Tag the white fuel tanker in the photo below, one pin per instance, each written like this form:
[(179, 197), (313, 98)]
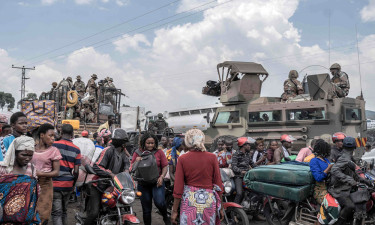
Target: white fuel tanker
[(184, 119)]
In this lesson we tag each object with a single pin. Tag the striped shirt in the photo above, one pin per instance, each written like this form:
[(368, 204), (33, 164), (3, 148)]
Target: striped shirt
[(71, 156)]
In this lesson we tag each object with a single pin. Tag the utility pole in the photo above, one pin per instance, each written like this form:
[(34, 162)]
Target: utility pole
[(23, 79)]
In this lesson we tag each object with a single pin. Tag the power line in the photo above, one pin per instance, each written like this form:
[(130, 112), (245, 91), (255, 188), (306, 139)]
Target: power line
[(93, 45), (103, 31), (23, 79)]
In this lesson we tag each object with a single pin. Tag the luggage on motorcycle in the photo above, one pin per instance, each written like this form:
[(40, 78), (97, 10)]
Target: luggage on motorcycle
[(285, 173), (329, 210), (362, 195), (293, 193), (146, 171)]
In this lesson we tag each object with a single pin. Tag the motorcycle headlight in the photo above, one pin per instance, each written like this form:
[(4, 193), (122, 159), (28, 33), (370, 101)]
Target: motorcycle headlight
[(127, 197), (227, 186)]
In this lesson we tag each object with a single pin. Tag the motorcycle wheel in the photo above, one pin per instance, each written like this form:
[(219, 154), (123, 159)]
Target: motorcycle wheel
[(236, 216), (280, 207)]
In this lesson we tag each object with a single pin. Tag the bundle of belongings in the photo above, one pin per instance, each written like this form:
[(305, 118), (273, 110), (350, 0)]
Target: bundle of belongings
[(288, 181)]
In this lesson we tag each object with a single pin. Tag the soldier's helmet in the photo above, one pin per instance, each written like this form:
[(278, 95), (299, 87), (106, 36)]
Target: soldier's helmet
[(54, 84), (160, 115), (94, 76), (335, 66), (69, 79), (78, 77), (110, 79), (293, 74)]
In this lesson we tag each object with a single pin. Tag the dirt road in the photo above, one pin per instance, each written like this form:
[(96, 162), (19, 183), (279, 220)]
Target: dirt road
[(156, 218)]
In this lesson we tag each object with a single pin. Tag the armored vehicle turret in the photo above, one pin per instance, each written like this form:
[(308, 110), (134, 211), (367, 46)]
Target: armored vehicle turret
[(305, 117)]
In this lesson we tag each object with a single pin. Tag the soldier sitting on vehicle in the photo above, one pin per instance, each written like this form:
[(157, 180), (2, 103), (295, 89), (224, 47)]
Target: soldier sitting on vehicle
[(340, 81), (292, 86)]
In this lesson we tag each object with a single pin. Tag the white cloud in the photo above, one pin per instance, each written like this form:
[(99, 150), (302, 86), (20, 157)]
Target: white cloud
[(169, 70), (131, 42), (368, 12), (49, 2), (83, 2), (190, 4), (122, 2), (23, 4)]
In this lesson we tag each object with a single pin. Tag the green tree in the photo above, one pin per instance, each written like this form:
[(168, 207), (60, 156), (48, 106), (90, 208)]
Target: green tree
[(6, 99), (31, 96)]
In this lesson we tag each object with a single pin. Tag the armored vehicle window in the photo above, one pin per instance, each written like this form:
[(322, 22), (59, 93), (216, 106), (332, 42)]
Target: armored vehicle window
[(306, 114), (185, 113), (228, 117), (265, 116), (352, 114)]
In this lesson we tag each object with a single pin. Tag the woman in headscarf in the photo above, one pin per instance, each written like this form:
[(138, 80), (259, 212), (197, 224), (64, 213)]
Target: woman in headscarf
[(18, 184), (47, 163), (198, 185)]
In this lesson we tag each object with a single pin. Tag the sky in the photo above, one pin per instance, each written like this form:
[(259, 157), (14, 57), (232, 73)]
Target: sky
[(161, 53)]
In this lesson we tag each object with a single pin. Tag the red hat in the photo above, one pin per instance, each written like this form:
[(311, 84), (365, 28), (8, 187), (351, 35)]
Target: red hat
[(245, 140), (287, 138), (85, 133)]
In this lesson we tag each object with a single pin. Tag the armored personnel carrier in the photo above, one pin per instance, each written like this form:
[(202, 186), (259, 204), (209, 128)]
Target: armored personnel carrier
[(305, 117)]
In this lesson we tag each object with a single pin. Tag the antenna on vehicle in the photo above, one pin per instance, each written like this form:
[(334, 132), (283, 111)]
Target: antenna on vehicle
[(359, 62), (329, 37)]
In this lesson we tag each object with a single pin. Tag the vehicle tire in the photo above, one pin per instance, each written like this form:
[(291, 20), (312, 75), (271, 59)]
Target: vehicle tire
[(279, 218), (236, 216), (214, 143)]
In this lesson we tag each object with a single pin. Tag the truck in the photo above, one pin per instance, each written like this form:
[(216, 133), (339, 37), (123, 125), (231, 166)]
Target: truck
[(315, 114)]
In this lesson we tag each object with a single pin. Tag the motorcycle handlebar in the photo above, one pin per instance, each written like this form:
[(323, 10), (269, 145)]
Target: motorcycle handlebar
[(98, 180)]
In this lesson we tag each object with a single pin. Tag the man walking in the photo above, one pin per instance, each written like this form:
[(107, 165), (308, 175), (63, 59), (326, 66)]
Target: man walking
[(69, 170)]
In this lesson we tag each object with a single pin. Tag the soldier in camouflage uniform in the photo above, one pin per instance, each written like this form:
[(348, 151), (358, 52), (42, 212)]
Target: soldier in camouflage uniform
[(89, 109), (340, 81), (64, 86), (91, 87), (160, 124), (110, 90), (79, 86), (53, 92), (292, 86)]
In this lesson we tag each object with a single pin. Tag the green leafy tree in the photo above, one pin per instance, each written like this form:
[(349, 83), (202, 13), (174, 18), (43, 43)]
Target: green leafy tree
[(6, 99)]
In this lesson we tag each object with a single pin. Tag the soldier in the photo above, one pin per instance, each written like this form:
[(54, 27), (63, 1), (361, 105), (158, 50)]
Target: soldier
[(161, 124), (340, 81), (292, 86), (63, 87), (91, 86), (70, 81), (52, 93), (79, 86), (109, 91)]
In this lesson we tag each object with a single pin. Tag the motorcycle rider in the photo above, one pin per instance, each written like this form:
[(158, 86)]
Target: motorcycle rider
[(343, 179), (284, 150), (112, 160), (241, 163), (336, 151)]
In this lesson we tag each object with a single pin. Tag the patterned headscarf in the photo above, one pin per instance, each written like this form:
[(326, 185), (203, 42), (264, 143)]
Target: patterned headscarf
[(21, 143), (194, 139), (104, 133)]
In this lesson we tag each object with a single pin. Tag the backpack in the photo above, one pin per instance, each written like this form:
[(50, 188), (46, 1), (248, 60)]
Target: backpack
[(146, 171)]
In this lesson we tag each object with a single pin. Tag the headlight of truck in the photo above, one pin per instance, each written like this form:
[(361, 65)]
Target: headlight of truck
[(127, 197), (227, 186)]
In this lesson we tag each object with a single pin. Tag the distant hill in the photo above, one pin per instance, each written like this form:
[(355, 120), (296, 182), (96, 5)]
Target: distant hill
[(370, 114)]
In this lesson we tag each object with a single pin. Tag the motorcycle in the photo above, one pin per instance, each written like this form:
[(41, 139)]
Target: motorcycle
[(233, 212), (116, 205), (283, 212)]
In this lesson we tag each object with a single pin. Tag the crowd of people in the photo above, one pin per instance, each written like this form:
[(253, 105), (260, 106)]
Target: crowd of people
[(43, 167)]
